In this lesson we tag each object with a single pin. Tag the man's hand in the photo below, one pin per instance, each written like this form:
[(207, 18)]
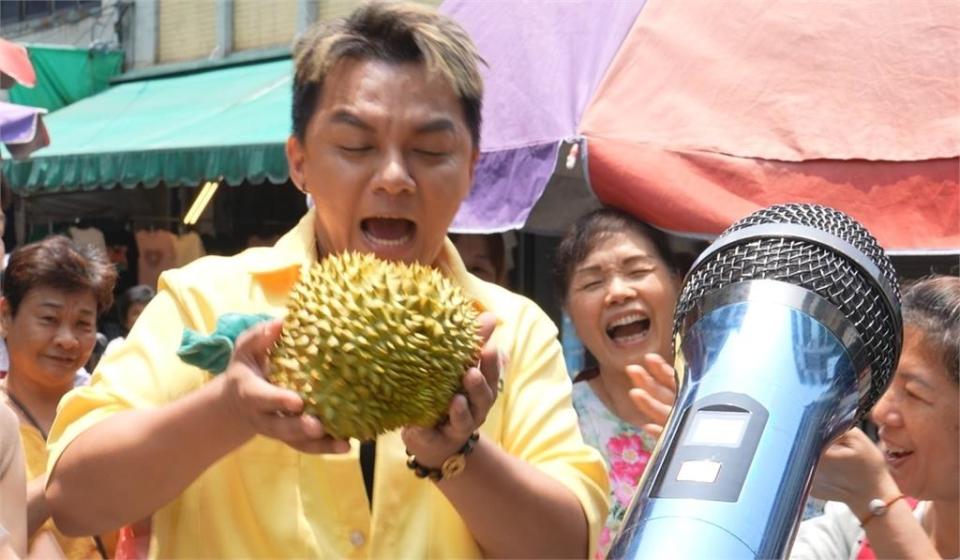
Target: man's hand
[(653, 393), (265, 408), (432, 446)]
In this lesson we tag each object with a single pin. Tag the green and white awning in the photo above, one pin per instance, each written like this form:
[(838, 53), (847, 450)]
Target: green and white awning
[(177, 130)]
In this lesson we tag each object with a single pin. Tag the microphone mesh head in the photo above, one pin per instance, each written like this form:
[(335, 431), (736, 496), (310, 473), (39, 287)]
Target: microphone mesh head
[(828, 272)]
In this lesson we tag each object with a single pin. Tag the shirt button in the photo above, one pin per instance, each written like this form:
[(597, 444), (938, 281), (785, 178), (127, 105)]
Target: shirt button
[(357, 539)]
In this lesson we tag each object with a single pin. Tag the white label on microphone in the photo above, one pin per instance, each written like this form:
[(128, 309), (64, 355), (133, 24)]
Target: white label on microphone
[(723, 429), (699, 471)]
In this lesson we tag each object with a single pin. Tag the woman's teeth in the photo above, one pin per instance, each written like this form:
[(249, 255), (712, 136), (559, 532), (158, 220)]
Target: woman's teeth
[(894, 454), (626, 320), (629, 329)]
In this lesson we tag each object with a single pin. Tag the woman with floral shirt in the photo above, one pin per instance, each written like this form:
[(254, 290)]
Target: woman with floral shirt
[(619, 280), (625, 448)]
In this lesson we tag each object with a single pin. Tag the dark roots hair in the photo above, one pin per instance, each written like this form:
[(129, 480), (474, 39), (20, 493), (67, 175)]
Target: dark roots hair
[(592, 228), (391, 32), (60, 263), (932, 304)]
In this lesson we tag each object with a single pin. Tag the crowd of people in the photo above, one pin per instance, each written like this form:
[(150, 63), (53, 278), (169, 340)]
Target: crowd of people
[(152, 453)]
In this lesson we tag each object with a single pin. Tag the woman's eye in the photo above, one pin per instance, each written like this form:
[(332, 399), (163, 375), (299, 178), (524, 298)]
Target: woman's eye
[(46, 319), (591, 285), (639, 273)]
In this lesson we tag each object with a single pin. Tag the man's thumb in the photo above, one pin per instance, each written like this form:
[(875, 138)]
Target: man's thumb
[(257, 340)]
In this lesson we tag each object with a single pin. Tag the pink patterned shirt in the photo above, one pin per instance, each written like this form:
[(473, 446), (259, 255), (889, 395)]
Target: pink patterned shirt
[(625, 450)]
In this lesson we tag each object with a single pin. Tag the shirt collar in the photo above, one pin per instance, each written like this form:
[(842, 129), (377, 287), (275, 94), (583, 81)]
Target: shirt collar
[(279, 267)]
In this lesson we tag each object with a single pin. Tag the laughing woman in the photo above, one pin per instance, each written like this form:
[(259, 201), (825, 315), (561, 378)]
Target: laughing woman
[(619, 281), (875, 488)]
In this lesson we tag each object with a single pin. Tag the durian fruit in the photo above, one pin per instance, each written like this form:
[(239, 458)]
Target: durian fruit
[(372, 345)]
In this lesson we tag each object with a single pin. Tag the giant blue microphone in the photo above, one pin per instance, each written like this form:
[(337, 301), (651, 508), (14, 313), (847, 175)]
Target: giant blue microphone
[(787, 331)]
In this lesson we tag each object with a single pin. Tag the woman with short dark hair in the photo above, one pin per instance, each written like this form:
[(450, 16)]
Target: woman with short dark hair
[(618, 279), (53, 292)]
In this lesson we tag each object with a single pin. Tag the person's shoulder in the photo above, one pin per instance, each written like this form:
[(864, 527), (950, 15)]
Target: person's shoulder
[(9, 434), (208, 264), (513, 308), (211, 270), (8, 418)]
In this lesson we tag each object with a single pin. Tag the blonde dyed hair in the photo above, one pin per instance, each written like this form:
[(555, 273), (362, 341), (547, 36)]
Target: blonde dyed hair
[(390, 32)]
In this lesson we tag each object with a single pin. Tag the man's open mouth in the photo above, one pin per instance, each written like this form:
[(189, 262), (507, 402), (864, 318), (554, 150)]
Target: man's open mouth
[(388, 232)]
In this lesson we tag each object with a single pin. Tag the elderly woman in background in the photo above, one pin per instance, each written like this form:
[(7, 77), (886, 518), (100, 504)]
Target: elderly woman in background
[(129, 307), (619, 280), (875, 488), (484, 255), (53, 292)]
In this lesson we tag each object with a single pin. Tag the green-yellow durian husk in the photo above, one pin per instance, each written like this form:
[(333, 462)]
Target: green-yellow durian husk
[(372, 345)]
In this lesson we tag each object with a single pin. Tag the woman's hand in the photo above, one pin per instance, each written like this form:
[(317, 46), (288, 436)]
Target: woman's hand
[(852, 470), (432, 446), (653, 393), (265, 408)]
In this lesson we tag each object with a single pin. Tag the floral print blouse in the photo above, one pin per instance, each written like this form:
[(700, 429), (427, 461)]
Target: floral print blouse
[(625, 450)]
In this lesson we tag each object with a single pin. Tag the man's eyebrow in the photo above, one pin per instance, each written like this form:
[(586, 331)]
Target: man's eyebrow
[(346, 117), (440, 124)]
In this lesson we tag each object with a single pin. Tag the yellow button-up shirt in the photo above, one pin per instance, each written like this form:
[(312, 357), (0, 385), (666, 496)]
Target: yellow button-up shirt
[(265, 499)]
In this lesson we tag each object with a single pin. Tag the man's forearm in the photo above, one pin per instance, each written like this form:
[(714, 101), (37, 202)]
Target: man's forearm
[(135, 462), (515, 510)]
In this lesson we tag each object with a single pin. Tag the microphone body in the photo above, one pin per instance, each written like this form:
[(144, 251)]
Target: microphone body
[(787, 331), (796, 389)]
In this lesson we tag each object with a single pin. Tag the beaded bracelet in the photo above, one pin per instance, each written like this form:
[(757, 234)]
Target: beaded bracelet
[(452, 467), (878, 508)]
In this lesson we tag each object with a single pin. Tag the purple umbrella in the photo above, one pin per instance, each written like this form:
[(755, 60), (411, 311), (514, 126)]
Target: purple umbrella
[(22, 129), (534, 103)]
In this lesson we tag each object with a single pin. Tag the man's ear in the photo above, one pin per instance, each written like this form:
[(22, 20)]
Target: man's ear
[(296, 162), (474, 158)]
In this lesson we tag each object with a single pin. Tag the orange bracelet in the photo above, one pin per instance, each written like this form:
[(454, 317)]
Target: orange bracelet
[(878, 508)]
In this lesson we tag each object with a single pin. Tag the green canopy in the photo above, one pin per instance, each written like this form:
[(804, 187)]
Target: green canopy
[(66, 75), (180, 130)]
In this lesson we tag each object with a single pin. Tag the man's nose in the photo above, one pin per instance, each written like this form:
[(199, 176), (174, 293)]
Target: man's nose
[(394, 177)]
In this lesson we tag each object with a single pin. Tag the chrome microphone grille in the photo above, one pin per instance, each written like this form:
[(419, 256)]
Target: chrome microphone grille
[(819, 249)]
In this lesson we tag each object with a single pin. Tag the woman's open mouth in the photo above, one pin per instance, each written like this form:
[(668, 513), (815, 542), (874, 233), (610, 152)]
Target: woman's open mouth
[(895, 457), (629, 329)]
